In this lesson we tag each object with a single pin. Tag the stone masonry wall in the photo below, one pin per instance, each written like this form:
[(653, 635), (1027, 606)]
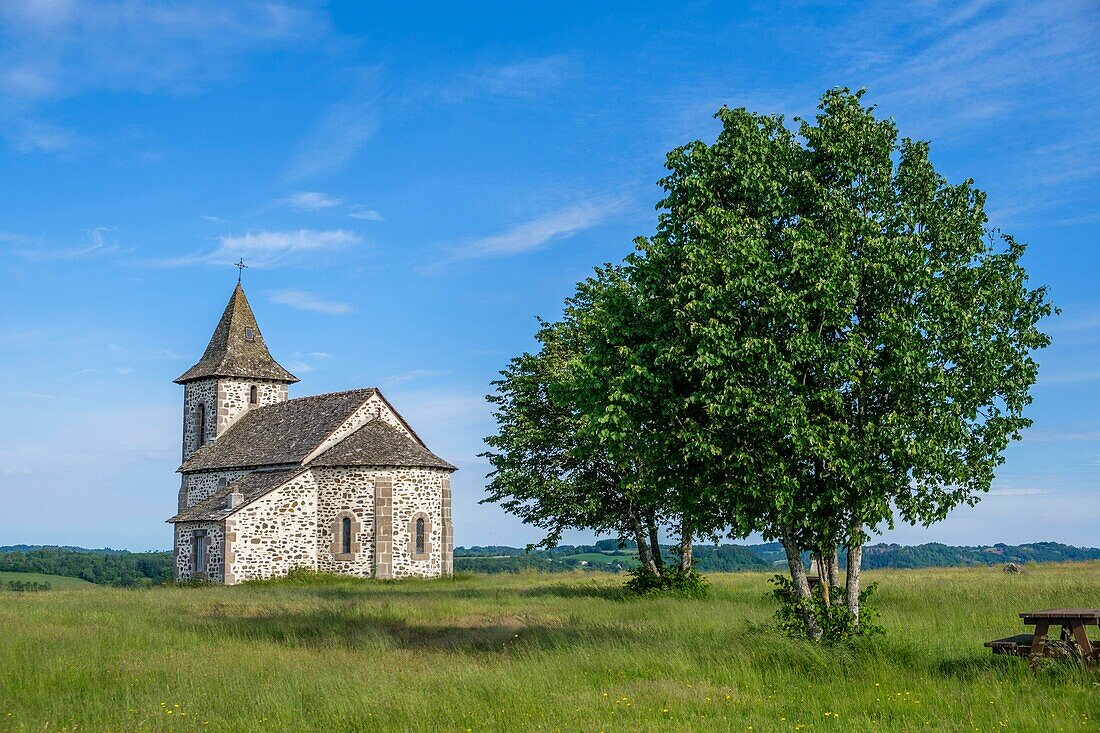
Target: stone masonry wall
[(233, 397), (184, 547), (417, 491), (275, 533), (198, 486), (414, 492), (345, 492), (204, 392)]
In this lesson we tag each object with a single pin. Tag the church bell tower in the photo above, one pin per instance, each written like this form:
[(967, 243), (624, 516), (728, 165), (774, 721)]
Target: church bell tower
[(235, 374)]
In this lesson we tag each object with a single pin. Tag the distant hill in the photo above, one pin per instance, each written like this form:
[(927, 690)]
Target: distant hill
[(127, 569), (606, 555), (24, 548), (103, 567), (935, 554)]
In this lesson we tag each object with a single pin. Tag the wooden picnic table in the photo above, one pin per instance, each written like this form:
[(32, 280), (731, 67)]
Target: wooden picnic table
[(1073, 622)]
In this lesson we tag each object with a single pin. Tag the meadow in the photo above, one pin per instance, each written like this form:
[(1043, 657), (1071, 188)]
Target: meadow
[(553, 652), (56, 582)]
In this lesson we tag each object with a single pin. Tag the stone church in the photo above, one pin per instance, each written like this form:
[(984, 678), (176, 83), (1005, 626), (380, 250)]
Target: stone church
[(335, 482)]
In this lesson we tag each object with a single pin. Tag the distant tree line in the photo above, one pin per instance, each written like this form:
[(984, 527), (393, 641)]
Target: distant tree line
[(26, 586), (938, 555), (759, 557), (103, 567)]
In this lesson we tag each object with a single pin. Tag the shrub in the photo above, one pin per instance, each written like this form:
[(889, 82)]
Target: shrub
[(673, 582), (837, 623)]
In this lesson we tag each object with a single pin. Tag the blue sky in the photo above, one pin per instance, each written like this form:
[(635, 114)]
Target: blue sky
[(411, 186)]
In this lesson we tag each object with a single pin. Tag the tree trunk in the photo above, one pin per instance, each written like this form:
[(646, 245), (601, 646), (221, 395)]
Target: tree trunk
[(855, 559), (823, 577), (644, 557), (834, 565), (655, 545), (685, 544), (801, 584)]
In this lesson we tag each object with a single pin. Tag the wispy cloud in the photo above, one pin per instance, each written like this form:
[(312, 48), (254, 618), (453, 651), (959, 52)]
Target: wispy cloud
[(343, 128), (524, 79), (99, 243), (37, 136), (267, 249), (1088, 432), (364, 213), (537, 233), (307, 301), (977, 70), (31, 395), (1070, 377), (311, 201), (1019, 492), (60, 49), (413, 375), (346, 125)]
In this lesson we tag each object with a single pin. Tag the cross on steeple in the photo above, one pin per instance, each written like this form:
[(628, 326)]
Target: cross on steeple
[(240, 269)]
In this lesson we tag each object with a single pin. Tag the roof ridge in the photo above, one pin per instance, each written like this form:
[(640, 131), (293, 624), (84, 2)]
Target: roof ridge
[(327, 394)]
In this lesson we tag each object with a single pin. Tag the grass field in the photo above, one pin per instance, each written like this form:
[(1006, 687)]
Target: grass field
[(57, 582), (561, 652)]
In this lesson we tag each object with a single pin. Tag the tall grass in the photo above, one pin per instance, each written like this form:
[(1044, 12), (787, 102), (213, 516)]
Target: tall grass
[(533, 652)]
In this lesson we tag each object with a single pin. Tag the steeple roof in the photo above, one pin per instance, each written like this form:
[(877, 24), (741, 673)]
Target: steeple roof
[(237, 348)]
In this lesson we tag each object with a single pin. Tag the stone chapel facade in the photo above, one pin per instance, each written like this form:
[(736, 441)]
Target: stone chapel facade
[(335, 482)]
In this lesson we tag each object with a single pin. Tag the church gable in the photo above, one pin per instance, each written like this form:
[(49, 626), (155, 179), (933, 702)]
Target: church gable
[(377, 408), (379, 443)]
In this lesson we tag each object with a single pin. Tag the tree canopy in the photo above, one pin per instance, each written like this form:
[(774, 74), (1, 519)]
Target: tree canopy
[(822, 336)]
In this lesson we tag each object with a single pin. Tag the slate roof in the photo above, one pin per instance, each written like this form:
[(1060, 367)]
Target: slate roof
[(231, 353), (378, 443), (278, 434), (252, 486)]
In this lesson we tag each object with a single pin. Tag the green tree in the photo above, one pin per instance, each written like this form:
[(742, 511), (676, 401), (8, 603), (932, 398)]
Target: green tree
[(546, 468), (851, 342), (579, 447)]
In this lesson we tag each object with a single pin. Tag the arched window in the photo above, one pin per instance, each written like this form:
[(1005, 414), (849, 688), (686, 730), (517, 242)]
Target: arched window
[(200, 424), (345, 543), (420, 536), (252, 398)]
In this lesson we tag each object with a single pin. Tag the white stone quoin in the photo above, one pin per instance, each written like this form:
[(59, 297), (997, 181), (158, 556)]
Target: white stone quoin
[(335, 482)]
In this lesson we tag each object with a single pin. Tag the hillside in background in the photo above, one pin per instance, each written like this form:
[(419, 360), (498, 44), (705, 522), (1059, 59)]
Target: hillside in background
[(608, 555), (136, 569), (103, 567)]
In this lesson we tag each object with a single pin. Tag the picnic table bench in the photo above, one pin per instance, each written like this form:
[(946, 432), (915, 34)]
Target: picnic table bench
[(1072, 622)]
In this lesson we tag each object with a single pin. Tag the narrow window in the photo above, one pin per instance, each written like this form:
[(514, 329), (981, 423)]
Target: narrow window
[(345, 526), (198, 554), (200, 423), (252, 397), (420, 535), (249, 333)]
